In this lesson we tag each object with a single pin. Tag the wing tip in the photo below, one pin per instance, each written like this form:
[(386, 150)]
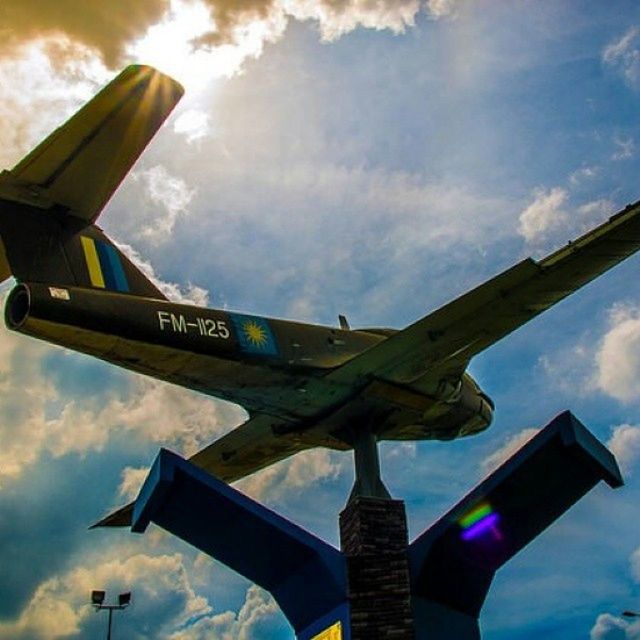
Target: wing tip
[(120, 518)]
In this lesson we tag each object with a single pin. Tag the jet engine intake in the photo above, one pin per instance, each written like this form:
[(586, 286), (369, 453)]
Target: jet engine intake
[(18, 306)]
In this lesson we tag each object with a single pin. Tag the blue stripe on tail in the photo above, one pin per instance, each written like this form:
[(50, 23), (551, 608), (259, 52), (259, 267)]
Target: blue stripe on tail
[(114, 276)]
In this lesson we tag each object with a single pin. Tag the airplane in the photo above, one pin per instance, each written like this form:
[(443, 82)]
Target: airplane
[(303, 385)]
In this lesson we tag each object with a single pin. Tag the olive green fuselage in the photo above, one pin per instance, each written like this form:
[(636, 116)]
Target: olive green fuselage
[(271, 366)]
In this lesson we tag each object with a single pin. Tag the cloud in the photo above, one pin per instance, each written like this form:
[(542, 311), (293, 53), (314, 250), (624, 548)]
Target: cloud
[(106, 27), (165, 192), (192, 294), (544, 215), (609, 627), (592, 213), (635, 565), (623, 55), (116, 31), (570, 368), (165, 414), (625, 446), (39, 94), (194, 124), (511, 446), (132, 480), (24, 394), (191, 46), (334, 19), (625, 148), (165, 602), (152, 412), (411, 222), (338, 18), (582, 174), (618, 357), (293, 475), (275, 483), (442, 8), (256, 620), (548, 215), (38, 418), (163, 599)]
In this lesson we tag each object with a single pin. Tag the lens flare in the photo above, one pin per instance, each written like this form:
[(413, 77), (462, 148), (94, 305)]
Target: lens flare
[(479, 522)]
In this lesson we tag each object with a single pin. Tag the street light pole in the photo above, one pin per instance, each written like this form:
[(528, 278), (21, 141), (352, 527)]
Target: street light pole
[(109, 628), (97, 598)]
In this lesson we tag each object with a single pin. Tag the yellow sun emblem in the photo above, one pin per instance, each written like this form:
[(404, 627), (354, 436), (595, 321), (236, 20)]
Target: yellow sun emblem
[(255, 334)]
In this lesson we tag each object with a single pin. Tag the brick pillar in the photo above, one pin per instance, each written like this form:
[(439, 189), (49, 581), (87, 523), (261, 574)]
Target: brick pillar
[(373, 536)]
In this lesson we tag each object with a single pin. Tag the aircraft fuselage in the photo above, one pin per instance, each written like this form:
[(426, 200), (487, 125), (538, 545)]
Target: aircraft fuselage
[(227, 354)]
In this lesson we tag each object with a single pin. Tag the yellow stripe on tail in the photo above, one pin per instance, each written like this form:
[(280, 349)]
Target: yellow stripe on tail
[(93, 262)]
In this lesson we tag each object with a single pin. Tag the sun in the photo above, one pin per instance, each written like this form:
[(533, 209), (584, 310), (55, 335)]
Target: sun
[(255, 334), (169, 46)]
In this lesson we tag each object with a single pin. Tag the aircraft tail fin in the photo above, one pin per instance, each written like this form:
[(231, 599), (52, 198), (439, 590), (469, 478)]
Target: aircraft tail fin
[(55, 254), (80, 165), (50, 199)]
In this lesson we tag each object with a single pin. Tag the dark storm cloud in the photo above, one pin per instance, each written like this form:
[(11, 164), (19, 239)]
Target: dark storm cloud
[(105, 26), (108, 27)]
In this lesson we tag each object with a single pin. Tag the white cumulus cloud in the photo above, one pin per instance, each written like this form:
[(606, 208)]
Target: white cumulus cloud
[(165, 603), (167, 197), (189, 294), (293, 475), (442, 8), (38, 418), (252, 622), (625, 445), (38, 93), (163, 599), (194, 124), (549, 215), (609, 627), (618, 357), (132, 481), (338, 18), (544, 215)]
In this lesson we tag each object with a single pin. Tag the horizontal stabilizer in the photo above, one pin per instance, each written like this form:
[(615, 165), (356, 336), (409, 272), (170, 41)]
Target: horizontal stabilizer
[(80, 165)]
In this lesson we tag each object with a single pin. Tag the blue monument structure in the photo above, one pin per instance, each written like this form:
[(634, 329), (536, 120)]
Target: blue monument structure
[(378, 585)]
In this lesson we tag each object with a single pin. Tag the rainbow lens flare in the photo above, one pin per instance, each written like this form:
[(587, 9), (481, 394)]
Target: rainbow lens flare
[(479, 522)]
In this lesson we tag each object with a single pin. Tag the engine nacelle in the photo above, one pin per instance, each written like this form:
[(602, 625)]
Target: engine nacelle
[(468, 411)]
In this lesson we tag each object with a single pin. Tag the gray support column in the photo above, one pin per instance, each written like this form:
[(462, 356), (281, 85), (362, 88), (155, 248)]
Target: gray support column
[(368, 482)]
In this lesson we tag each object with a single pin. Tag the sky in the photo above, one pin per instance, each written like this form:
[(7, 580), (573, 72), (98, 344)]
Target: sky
[(368, 157)]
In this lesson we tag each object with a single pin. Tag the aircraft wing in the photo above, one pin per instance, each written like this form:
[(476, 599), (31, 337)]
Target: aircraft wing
[(248, 448), (81, 164), (444, 341)]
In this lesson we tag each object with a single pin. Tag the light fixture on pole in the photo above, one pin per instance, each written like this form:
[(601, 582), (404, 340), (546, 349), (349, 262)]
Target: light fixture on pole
[(97, 599)]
